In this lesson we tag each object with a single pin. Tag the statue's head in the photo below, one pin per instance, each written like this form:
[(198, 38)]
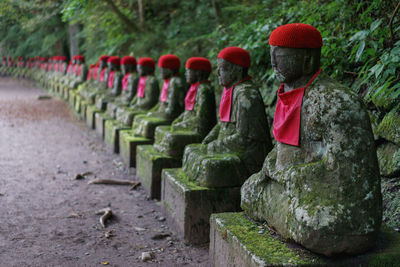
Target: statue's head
[(80, 59), (113, 63), (128, 64), (146, 66), (103, 61), (233, 64), (169, 66), (295, 51), (197, 69)]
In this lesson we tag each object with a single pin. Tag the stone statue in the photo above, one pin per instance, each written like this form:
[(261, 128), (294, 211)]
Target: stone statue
[(114, 83), (146, 97), (128, 85), (236, 146), (199, 115), (99, 84), (171, 100), (80, 72), (320, 185)]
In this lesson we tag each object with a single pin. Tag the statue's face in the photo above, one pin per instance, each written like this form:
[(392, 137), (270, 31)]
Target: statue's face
[(144, 70), (103, 64), (192, 76), (288, 63), (166, 73), (228, 73), (124, 69), (74, 61)]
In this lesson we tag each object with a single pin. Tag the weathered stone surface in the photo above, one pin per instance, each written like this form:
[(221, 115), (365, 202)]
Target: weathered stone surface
[(238, 146), (391, 202), (324, 194), (150, 163), (111, 134), (101, 118), (389, 159), (91, 111), (188, 206), (238, 241), (128, 143), (389, 127)]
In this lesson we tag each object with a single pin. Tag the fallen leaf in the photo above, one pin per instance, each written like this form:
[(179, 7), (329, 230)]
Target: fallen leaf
[(105, 263)]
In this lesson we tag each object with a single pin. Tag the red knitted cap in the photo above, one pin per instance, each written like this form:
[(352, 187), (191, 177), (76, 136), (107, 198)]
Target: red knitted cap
[(104, 58), (63, 58), (198, 63), (146, 61), (296, 35), (169, 62), (80, 57), (128, 60), (236, 55), (114, 60)]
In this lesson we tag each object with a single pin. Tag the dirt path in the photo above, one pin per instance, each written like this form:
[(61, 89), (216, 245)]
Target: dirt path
[(47, 218)]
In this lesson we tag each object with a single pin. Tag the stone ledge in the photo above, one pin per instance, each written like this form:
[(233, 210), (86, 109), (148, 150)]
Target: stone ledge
[(127, 146), (188, 207), (235, 241)]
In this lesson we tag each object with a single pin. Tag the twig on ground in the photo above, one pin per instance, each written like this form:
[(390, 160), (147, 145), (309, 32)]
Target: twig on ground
[(113, 182), (107, 214)]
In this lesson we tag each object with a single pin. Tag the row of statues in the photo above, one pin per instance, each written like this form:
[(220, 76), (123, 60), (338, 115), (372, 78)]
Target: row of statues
[(319, 185)]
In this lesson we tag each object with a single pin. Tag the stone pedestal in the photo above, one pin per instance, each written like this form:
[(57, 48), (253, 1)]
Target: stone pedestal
[(111, 134), (236, 240), (188, 207), (127, 146), (149, 165), (101, 118), (72, 97), (91, 111)]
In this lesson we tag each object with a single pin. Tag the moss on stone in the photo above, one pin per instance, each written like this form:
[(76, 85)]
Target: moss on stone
[(391, 201), (183, 179), (389, 128), (265, 246)]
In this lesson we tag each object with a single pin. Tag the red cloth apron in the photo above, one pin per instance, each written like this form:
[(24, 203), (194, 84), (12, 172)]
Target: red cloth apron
[(286, 125), (79, 70), (111, 79), (102, 73), (225, 104), (190, 98), (125, 81), (164, 90), (89, 75), (74, 69), (141, 86)]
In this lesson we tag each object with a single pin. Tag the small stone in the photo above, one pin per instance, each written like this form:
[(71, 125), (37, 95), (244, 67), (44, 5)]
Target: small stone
[(161, 219), (146, 256), (87, 253), (170, 243)]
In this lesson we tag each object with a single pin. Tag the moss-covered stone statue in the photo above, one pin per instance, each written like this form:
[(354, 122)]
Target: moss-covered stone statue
[(320, 185), (171, 100), (100, 84), (199, 116), (190, 127), (146, 90), (129, 82), (237, 145)]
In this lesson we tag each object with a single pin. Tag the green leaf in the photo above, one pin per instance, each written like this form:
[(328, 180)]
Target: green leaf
[(360, 50)]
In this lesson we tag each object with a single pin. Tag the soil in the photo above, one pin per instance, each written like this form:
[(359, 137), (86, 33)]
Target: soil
[(47, 217)]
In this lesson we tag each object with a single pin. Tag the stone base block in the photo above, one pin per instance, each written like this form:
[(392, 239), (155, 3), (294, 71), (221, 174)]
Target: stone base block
[(71, 97), (188, 207), (111, 134), (236, 240), (91, 111), (149, 165), (101, 118), (127, 146)]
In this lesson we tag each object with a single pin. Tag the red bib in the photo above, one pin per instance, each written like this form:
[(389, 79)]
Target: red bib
[(74, 69), (111, 79), (141, 86), (89, 75), (102, 73), (225, 104), (94, 73), (164, 90), (125, 81), (286, 125), (190, 98), (79, 70)]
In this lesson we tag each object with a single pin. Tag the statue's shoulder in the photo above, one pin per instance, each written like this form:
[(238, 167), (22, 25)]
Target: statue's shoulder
[(177, 81), (248, 91)]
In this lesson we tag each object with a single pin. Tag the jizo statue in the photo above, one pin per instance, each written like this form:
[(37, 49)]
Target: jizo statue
[(236, 147), (320, 185), (199, 115)]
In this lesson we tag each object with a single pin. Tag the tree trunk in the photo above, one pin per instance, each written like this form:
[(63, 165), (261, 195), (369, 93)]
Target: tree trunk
[(140, 11), (73, 39)]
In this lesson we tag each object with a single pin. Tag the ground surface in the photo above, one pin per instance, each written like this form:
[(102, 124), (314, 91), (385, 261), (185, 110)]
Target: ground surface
[(47, 218)]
